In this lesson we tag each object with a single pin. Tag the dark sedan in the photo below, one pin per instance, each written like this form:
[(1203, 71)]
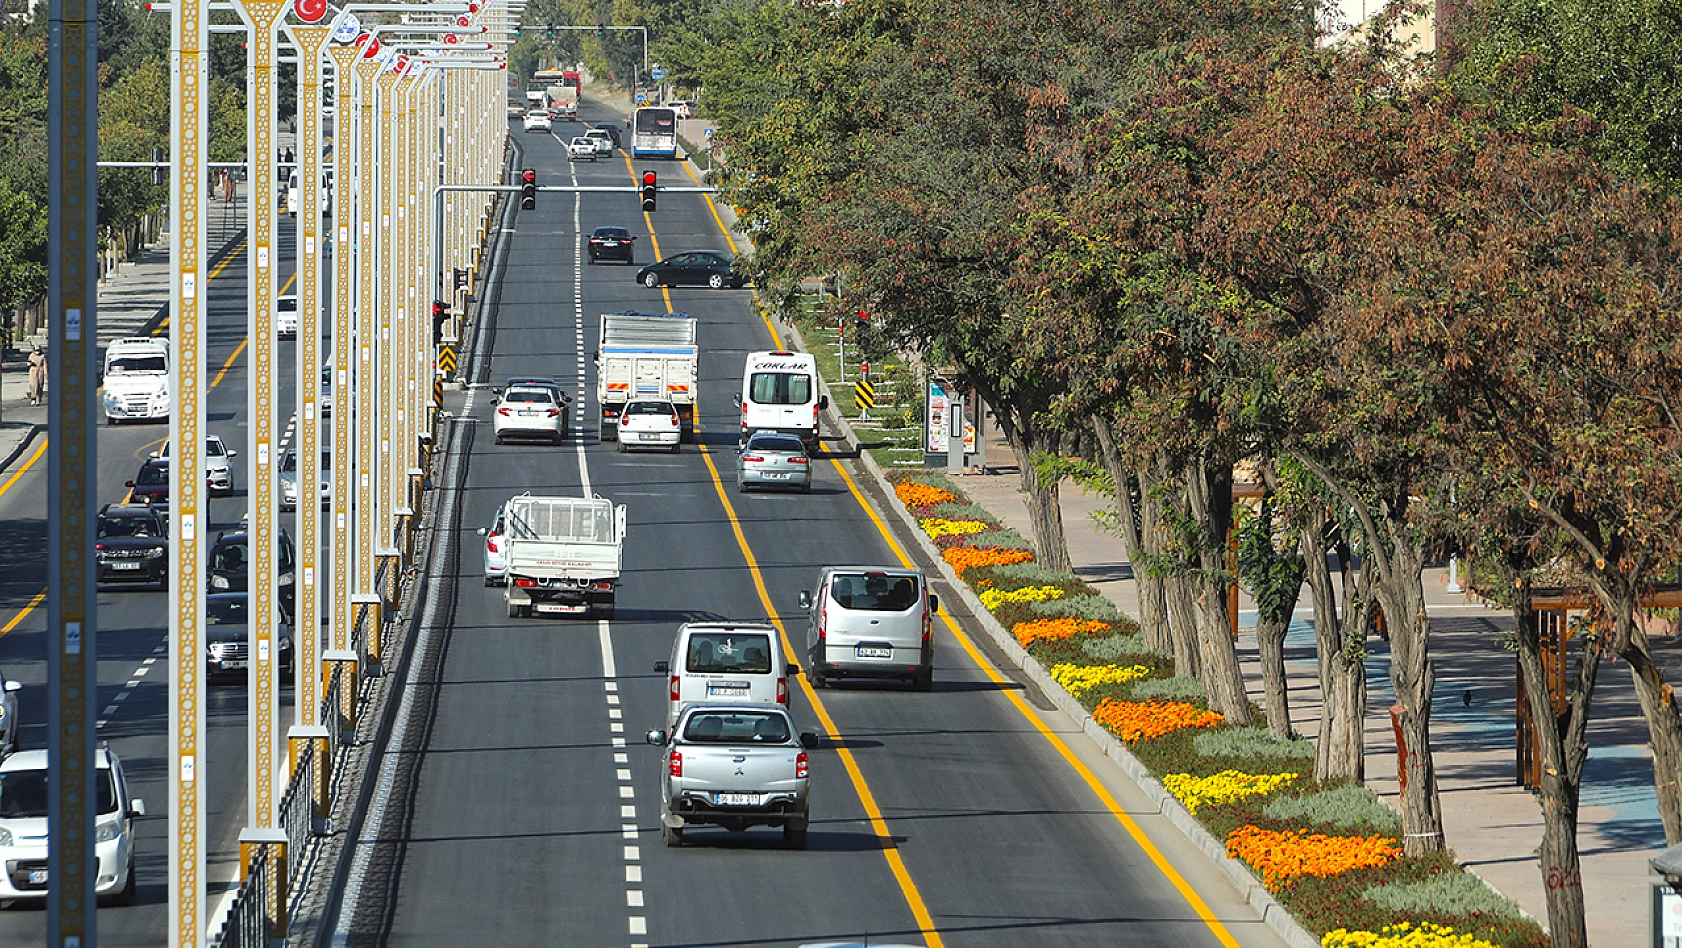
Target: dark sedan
[(695, 268), (151, 485), (613, 243), (227, 636), (132, 544), (230, 567)]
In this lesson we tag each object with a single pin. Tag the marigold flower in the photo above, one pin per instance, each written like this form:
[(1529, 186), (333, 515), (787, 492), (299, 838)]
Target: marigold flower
[(1283, 856), (1403, 935), (1141, 720), (1224, 787), (961, 558), (941, 527), (993, 597), (1062, 628), (916, 494), (1079, 679)]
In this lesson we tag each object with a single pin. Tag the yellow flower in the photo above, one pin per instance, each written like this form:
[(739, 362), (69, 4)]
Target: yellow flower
[(1403, 935), (992, 598), (1079, 679), (940, 527), (1224, 787)]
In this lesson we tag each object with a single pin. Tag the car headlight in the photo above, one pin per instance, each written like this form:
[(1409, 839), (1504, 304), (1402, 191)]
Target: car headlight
[(156, 552), (5, 836), (218, 582), (105, 832), (286, 579)]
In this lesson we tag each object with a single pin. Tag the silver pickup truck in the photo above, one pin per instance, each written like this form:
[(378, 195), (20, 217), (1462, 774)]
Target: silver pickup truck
[(734, 766)]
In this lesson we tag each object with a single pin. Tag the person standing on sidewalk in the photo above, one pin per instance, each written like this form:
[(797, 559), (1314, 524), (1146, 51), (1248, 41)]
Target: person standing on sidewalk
[(37, 376)]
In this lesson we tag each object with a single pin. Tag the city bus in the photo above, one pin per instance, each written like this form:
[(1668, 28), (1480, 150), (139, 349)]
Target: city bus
[(654, 133)]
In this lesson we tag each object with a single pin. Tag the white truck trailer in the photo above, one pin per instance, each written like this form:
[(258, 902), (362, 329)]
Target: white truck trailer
[(563, 554), (645, 355)]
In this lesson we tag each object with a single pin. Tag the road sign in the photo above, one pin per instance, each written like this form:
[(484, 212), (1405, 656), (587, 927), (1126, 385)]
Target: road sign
[(657, 73), (642, 98), (708, 133), (864, 395)]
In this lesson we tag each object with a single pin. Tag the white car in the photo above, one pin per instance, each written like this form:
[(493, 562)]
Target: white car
[(218, 474), (9, 715), (580, 149), (602, 139), (537, 120), (286, 316), (530, 411), (24, 794), (683, 108), (650, 423), (496, 558), (289, 479)]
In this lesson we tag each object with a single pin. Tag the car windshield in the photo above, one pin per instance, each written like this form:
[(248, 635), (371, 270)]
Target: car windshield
[(289, 462), (748, 653), (583, 141), (616, 233), (153, 475), (779, 388), (530, 395), (649, 408), (287, 304), (128, 527), (736, 727), (228, 558), (780, 443), (130, 364), (24, 793), (874, 593), (226, 612)]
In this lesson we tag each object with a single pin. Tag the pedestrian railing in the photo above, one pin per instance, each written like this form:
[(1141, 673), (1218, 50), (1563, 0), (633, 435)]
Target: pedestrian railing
[(297, 808), (249, 922)]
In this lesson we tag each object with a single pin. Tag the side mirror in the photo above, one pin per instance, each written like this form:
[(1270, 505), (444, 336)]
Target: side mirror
[(153, 455), (137, 807), (14, 686), (662, 668), (808, 740), (657, 737), (737, 398), (805, 599), (233, 454), (823, 402), (128, 483), (934, 603), (496, 393), (481, 531)]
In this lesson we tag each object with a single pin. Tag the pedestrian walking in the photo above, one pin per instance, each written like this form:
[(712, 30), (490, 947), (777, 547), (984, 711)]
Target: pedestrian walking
[(37, 376)]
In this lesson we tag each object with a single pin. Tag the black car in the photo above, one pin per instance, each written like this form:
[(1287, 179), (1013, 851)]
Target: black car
[(230, 567), (227, 635), (611, 129), (613, 243), (695, 268), (151, 484), (132, 544)]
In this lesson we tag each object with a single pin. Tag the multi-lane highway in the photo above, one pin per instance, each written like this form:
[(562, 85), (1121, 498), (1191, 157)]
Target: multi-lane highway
[(133, 650), (528, 816)]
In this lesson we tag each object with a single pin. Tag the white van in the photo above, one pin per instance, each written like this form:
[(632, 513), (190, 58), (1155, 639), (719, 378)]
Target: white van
[(725, 663), (870, 622), (780, 393), (136, 380)]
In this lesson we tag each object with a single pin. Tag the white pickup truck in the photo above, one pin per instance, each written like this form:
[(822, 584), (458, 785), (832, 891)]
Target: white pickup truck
[(734, 766), (563, 555)]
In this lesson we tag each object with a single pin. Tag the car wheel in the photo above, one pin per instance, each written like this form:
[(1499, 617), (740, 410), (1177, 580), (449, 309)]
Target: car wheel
[(619, 444), (651, 280), (513, 610), (673, 834), (806, 488), (499, 439), (741, 486), (794, 837), (819, 682), (490, 580), (716, 281), (604, 610), (679, 446), (924, 680)]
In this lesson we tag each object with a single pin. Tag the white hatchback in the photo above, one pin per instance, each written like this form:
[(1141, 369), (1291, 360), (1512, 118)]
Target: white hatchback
[(581, 149), (537, 120), (24, 795), (286, 316), (530, 411), (650, 423)]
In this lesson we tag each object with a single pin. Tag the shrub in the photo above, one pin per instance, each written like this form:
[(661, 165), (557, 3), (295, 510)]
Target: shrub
[(1089, 606), (1002, 537), (1349, 806), (1446, 893), (1110, 648), (1249, 742), (1026, 574), (1179, 686)]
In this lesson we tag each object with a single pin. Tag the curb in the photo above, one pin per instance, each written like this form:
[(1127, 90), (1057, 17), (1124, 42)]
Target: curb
[(23, 446), (1275, 915)]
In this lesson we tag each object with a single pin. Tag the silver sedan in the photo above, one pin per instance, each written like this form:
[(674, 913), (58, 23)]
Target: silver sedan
[(773, 460)]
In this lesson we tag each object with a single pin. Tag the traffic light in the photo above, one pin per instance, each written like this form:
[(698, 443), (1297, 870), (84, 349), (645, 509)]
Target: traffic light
[(157, 167), (440, 315), (549, 31), (648, 178), (601, 31), (459, 281), (528, 189)]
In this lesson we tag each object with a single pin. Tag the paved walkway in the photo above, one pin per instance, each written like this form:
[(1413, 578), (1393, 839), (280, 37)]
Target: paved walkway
[(1493, 825)]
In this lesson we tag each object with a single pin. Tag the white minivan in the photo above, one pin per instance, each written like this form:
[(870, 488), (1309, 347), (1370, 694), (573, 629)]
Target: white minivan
[(870, 622), (725, 663), (780, 393)]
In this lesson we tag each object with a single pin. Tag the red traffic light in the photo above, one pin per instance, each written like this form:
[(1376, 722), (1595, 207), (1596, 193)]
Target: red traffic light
[(529, 176), (648, 190), (648, 178)]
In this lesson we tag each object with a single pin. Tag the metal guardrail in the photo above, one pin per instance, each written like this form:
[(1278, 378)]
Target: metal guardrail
[(248, 923), (297, 809)]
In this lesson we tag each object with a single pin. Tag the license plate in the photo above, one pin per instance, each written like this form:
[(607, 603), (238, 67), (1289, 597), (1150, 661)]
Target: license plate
[(235, 664), (727, 691), (561, 608), (774, 475), (736, 799), (528, 414), (871, 651), (649, 437), (125, 566), (37, 877)]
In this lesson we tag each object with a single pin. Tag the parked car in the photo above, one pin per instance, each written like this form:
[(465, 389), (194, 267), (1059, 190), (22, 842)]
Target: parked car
[(229, 566), (870, 622), (218, 472), (581, 149), (650, 423), (151, 483), (131, 544), (734, 662), (603, 140), (25, 792), (529, 411), (496, 562), (289, 479), (696, 268), (613, 243), (734, 766), (9, 715), (683, 108), (227, 636), (286, 316), (537, 120), (770, 459)]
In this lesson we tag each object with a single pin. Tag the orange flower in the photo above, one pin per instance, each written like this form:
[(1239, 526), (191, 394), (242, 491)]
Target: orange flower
[(963, 557), (1141, 720), (1284, 856), (1028, 632), (917, 494)]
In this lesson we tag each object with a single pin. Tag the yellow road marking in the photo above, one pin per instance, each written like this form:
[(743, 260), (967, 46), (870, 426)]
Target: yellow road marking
[(26, 466), (35, 603), (213, 274), (653, 238), (242, 343)]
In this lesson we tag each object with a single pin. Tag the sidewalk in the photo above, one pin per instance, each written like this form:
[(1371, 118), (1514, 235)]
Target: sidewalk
[(1492, 825)]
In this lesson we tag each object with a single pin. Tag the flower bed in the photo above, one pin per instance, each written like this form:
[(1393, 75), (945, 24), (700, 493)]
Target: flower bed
[(1224, 787), (1028, 633), (915, 494), (1403, 935), (961, 558), (1281, 857), (1134, 720), (1079, 679), (937, 527)]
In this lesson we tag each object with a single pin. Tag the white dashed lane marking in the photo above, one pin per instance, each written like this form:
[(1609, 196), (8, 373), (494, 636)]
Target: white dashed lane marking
[(129, 686)]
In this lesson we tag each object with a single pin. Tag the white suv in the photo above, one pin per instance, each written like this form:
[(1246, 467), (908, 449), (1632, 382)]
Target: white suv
[(24, 796)]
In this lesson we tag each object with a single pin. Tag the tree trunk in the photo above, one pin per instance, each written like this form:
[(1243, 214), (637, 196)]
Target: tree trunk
[(1340, 652), (1153, 607), (1159, 637), (1401, 594), (1209, 500), (1562, 744), (1045, 512), (1169, 549), (1664, 729)]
